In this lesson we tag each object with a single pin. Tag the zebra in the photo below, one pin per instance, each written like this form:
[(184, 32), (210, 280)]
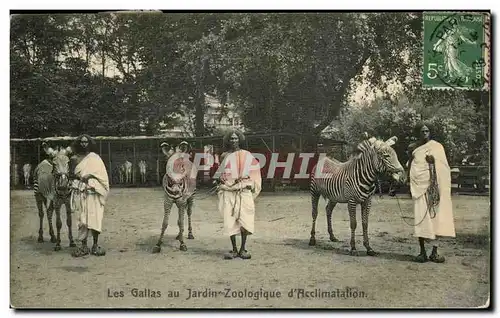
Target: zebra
[(51, 189), (27, 174), (142, 170), (179, 185), (353, 182)]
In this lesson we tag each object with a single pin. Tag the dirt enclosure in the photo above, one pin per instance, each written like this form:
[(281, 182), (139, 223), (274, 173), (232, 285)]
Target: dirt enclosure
[(324, 276)]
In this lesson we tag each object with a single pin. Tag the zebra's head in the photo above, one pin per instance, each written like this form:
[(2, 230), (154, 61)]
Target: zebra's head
[(388, 161), (59, 158)]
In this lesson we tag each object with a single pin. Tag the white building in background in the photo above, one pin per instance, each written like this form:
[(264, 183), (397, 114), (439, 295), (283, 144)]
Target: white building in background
[(219, 116)]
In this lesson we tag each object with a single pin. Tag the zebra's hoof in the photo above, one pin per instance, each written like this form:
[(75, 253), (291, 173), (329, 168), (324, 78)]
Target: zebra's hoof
[(312, 241), (72, 244), (190, 236), (156, 249), (40, 240), (57, 248), (183, 247), (53, 240), (333, 239), (354, 253), (371, 252)]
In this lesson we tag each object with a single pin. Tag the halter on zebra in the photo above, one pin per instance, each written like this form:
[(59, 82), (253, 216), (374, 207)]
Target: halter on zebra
[(353, 182), (51, 188), (179, 184)]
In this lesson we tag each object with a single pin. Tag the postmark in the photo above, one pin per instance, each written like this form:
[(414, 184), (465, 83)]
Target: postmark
[(456, 50)]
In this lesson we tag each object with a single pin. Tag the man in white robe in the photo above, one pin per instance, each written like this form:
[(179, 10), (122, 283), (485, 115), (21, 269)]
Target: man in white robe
[(90, 190), (431, 194), (240, 184)]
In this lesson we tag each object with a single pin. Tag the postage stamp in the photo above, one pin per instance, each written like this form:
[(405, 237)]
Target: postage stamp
[(456, 50)]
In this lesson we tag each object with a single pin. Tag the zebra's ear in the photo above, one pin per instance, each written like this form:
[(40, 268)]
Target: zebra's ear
[(391, 141), (184, 146), (165, 148), (66, 151), (48, 150)]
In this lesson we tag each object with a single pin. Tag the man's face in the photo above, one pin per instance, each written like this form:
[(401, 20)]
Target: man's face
[(424, 133), (84, 143), (234, 141)]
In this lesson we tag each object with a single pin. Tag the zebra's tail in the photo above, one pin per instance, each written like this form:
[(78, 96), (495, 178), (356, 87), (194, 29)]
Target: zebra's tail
[(313, 187), (35, 186)]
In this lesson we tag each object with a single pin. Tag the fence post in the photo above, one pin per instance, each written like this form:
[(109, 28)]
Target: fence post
[(110, 167)]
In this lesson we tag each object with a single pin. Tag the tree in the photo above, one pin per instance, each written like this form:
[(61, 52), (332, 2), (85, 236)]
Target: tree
[(452, 123)]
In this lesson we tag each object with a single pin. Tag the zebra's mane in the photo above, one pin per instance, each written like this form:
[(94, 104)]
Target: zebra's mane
[(363, 148)]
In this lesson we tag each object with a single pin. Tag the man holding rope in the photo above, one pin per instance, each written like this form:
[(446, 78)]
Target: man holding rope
[(239, 184), (430, 185)]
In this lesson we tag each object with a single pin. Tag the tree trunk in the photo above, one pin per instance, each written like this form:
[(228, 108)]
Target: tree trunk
[(199, 124), (334, 109)]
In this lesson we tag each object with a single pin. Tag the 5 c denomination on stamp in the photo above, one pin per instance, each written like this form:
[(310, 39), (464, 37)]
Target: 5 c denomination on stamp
[(456, 50)]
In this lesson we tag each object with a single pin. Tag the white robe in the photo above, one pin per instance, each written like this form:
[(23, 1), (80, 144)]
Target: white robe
[(442, 224), (88, 199), (238, 207)]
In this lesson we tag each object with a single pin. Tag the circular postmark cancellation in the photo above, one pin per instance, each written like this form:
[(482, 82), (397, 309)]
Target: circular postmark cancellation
[(456, 50)]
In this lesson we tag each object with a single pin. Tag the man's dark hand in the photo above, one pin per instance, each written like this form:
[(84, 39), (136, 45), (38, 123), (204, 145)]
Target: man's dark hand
[(429, 158)]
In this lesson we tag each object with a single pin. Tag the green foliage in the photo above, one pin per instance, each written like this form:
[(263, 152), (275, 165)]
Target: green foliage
[(452, 122), (286, 72)]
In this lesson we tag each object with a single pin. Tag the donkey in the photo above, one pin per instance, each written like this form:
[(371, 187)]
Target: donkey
[(52, 190)]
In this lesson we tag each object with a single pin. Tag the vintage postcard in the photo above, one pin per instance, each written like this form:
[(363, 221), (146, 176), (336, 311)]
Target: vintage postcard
[(250, 160)]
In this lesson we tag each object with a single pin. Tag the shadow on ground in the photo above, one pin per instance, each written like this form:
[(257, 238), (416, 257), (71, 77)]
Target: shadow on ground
[(46, 247), (344, 250), (473, 240)]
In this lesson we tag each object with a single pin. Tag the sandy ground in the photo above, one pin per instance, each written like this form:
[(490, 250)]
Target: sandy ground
[(281, 260)]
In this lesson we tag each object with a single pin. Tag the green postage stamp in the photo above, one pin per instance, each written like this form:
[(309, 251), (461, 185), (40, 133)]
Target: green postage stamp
[(456, 50)]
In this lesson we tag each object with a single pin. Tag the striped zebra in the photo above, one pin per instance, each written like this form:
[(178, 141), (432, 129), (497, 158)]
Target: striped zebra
[(51, 189), (179, 185), (353, 182)]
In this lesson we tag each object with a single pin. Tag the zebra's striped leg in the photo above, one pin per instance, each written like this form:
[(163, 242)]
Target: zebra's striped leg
[(351, 206), (329, 210), (180, 223), (39, 204), (167, 206), (365, 211), (190, 202), (314, 203), (57, 209), (50, 213), (69, 223)]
